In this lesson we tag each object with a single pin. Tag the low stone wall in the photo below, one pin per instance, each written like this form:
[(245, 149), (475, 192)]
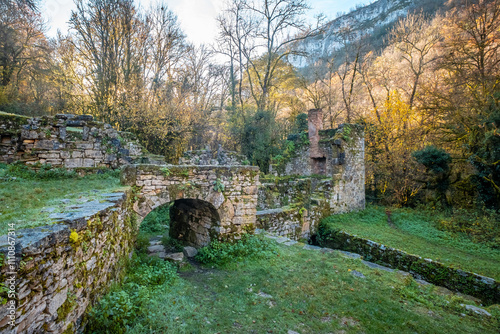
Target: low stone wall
[(291, 222), (60, 270), (70, 141), (485, 288)]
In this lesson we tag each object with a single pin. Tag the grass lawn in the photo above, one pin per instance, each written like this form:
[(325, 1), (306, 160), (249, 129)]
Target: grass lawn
[(25, 202), (307, 292), (416, 233)]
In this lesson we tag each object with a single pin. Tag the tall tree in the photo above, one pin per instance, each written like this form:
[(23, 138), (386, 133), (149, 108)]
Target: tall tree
[(470, 100), (104, 35)]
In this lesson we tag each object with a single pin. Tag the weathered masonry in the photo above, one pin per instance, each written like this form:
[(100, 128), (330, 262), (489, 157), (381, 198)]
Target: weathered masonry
[(62, 269), (70, 141), (208, 202), (323, 175)]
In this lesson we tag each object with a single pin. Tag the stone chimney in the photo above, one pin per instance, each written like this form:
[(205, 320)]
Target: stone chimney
[(315, 122)]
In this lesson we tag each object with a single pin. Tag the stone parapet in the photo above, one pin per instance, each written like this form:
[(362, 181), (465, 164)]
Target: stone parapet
[(61, 270)]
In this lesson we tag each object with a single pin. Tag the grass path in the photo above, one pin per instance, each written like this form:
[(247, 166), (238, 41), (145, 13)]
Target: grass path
[(307, 292)]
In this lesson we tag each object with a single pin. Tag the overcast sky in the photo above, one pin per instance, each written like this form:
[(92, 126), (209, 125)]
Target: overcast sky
[(197, 17)]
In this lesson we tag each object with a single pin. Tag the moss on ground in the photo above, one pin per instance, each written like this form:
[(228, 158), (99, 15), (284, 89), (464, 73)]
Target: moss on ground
[(29, 203)]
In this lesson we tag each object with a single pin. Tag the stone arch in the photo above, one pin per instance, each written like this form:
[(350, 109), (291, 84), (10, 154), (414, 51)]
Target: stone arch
[(194, 221), (230, 190)]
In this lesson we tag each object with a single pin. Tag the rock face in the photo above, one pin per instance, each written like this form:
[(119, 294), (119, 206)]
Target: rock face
[(65, 140), (374, 20), (61, 276)]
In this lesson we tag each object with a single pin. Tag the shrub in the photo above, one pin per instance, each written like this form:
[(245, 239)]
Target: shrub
[(141, 243), (437, 164), (152, 271), (39, 172), (481, 226), (249, 246), (434, 159), (118, 309), (126, 305)]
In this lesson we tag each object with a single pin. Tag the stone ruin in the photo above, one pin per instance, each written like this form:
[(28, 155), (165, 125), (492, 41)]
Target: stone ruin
[(69, 141), (208, 157), (323, 175), (214, 196)]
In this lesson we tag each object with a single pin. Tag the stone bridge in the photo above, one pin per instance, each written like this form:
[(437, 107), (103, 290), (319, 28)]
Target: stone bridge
[(208, 202)]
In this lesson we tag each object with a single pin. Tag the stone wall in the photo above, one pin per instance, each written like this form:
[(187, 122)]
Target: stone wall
[(339, 188), (62, 269), (230, 190), (293, 207), (485, 288), (207, 157), (67, 141)]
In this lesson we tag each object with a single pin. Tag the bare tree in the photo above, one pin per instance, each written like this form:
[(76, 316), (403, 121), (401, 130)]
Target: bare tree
[(352, 49), (104, 36), (165, 45), (261, 33), (415, 37)]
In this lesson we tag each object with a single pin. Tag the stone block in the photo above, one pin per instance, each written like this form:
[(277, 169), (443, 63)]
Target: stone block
[(174, 257), (93, 154), (88, 163), (190, 251), (156, 249), (83, 145), (56, 301)]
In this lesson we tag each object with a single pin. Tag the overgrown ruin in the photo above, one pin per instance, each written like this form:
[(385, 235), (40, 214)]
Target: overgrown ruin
[(213, 195), (323, 175)]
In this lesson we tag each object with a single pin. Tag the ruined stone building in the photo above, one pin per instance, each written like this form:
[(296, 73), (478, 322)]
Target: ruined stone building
[(323, 175)]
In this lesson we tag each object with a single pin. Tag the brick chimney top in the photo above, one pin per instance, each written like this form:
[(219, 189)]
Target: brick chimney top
[(315, 123)]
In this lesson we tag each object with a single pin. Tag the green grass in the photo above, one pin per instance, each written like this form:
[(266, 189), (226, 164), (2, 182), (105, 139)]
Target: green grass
[(25, 202), (307, 292), (416, 233)]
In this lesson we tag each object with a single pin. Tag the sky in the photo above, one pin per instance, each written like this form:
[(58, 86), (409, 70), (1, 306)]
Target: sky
[(196, 17)]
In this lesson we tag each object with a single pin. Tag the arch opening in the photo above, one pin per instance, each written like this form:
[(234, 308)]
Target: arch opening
[(194, 222)]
